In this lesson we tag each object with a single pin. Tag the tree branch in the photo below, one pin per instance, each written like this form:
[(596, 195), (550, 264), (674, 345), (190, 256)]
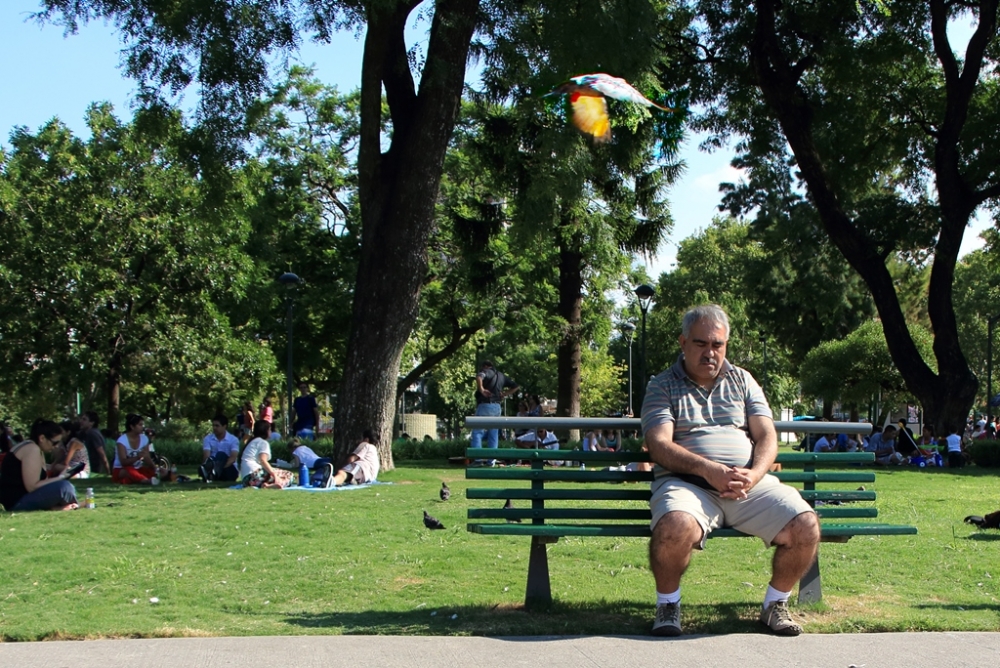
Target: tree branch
[(459, 337)]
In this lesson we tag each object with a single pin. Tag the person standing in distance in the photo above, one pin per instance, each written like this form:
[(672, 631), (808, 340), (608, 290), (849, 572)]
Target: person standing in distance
[(492, 387), (711, 437), (305, 412)]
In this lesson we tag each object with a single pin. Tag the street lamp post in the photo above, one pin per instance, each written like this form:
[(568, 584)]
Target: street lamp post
[(290, 281), (628, 330), (645, 293), (763, 376), (990, 322)]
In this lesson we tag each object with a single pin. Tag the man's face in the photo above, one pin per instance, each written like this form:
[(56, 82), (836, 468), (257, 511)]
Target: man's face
[(85, 423), (218, 429), (303, 389), (704, 351)]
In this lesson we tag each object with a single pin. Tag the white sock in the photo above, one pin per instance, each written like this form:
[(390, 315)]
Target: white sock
[(674, 597), (773, 595)]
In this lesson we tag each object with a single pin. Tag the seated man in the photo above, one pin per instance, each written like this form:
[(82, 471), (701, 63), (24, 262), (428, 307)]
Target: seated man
[(220, 449), (884, 446), (826, 443), (541, 438), (362, 464), (711, 437)]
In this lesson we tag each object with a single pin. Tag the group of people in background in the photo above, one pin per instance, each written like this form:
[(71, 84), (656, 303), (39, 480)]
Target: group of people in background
[(897, 444), (77, 449)]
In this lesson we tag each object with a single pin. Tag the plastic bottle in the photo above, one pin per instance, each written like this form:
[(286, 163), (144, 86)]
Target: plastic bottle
[(303, 476), (90, 499)]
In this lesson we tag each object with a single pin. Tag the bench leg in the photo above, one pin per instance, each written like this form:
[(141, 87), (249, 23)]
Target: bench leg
[(810, 587), (538, 592)]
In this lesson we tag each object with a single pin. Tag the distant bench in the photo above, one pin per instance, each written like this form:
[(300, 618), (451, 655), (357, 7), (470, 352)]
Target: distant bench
[(624, 511)]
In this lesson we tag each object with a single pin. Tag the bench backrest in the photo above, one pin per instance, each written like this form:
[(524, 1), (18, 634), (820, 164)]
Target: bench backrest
[(604, 467)]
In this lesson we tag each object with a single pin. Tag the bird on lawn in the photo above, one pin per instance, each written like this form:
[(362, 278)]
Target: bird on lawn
[(586, 98), (445, 491), (991, 521), (510, 506), (432, 522)]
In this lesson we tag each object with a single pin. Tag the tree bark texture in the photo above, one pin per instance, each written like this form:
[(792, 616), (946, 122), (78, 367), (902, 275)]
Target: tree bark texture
[(570, 308), (398, 189), (946, 396)]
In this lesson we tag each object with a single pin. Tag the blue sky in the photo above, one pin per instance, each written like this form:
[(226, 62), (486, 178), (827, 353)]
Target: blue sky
[(45, 75)]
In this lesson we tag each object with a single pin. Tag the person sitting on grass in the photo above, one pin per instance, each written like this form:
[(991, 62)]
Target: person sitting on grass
[(70, 452), (255, 465), (303, 454), (23, 485), (219, 450), (362, 465), (133, 458)]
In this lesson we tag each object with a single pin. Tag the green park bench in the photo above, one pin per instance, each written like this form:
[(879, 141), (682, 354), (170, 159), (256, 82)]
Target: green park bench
[(599, 507)]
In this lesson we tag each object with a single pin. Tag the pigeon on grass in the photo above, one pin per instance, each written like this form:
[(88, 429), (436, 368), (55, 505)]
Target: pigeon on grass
[(991, 521), (445, 491), (432, 522)]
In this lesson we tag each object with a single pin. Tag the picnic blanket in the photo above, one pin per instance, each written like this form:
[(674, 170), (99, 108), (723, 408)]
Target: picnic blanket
[(344, 488)]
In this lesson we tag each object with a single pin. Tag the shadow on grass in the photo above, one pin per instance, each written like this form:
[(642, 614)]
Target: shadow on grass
[(559, 619), (956, 607), (986, 537)]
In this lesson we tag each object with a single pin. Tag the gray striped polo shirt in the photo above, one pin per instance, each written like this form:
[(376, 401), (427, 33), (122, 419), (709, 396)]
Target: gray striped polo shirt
[(711, 423)]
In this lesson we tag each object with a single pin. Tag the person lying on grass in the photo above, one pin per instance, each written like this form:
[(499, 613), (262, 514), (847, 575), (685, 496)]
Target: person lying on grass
[(255, 467), (23, 485)]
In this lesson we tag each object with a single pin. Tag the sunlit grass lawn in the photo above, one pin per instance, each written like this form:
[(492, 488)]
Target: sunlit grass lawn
[(223, 562)]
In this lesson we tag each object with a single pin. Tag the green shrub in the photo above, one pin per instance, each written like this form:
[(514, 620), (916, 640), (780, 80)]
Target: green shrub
[(985, 453), (180, 430), (413, 450)]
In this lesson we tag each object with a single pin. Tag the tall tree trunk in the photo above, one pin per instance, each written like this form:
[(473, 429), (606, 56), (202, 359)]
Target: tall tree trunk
[(946, 396), (570, 307), (397, 192)]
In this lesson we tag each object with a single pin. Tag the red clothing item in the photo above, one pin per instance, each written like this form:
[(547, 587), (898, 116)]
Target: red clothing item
[(131, 475)]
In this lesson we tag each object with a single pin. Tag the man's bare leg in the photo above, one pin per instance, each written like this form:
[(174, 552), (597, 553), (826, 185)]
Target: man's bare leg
[(674, 538), (795, 550)]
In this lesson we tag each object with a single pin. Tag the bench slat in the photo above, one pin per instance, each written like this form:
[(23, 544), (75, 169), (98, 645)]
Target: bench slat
[(643, 531), (825, 476), (564, 474), (562, 513), (826, 512), (638, 493), (626, 513), (836, 495), (530, 454)]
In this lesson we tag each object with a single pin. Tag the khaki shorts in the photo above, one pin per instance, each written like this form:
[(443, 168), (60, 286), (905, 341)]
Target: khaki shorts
[(355, 474), (769, 506)]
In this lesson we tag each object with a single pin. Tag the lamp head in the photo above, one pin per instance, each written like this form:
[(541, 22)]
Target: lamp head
[(645, 293)]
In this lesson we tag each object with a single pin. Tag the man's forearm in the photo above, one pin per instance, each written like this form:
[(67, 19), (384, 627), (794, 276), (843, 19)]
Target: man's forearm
[(676, 459)]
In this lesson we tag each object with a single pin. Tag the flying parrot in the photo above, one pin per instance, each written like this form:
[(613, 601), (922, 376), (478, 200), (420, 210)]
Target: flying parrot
[(590, 111)]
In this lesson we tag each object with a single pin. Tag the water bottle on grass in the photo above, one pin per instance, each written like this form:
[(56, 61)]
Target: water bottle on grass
[(303, 476)]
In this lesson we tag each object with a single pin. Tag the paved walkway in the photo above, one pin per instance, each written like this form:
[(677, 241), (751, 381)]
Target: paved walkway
[(876, 650)]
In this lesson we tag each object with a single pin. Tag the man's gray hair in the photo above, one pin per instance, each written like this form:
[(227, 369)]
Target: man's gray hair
[(711, 313)]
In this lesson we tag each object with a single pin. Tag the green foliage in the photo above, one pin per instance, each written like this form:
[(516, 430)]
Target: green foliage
[(883, 160), (858, 367), (410, 450), (600, 384), (984, 453), (119, 257)]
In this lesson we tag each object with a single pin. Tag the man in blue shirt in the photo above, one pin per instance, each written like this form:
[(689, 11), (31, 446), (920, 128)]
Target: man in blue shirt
[(305, 412)]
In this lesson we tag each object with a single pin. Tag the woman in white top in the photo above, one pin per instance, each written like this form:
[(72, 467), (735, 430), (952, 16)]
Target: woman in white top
[(133, 461), (255, 465)]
